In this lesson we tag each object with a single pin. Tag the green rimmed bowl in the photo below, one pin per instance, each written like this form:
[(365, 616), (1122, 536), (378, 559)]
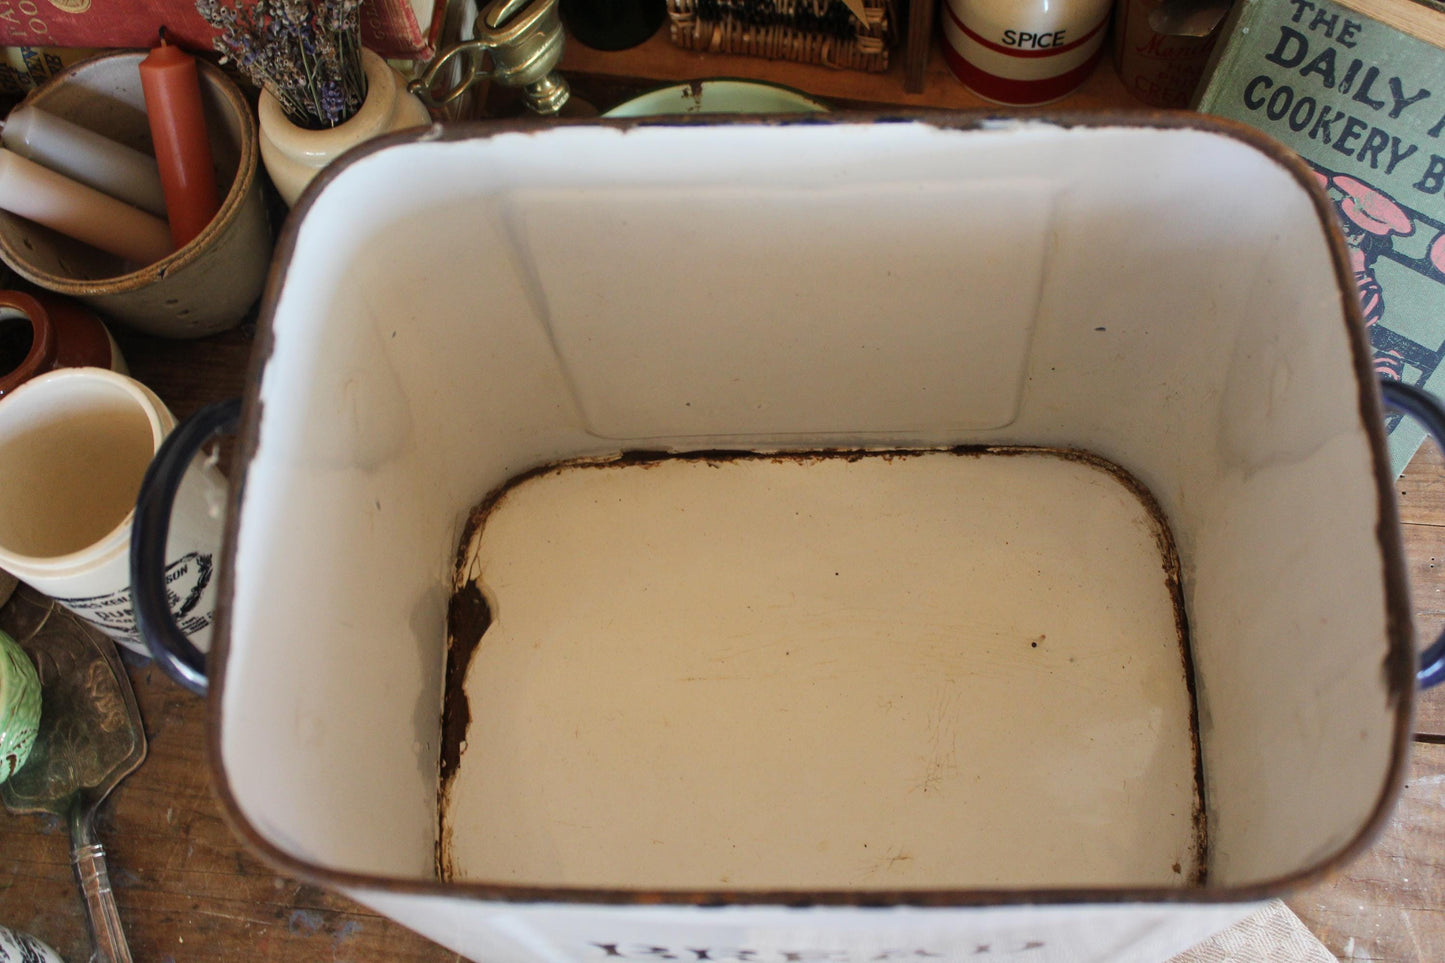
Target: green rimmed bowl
[(19, 706), (719, 97)]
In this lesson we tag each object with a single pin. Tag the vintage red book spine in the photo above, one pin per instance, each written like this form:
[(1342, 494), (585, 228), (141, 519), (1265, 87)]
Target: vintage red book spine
[(387, 26), (390, 28)]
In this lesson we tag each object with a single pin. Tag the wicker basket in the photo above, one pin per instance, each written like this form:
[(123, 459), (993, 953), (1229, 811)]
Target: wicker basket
[(810, 31)]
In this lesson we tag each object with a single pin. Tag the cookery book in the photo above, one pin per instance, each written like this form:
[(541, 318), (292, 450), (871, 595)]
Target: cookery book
[(1357, 88), (397, 29)]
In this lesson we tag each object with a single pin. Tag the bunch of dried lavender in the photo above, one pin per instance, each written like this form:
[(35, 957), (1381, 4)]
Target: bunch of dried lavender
[(307, 53)]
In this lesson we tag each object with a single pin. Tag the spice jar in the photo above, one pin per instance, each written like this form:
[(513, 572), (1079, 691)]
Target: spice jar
[(40, 332), (1022, 52)]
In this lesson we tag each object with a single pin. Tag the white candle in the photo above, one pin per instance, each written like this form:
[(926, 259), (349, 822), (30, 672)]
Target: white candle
[(85, 156), (81, 212)]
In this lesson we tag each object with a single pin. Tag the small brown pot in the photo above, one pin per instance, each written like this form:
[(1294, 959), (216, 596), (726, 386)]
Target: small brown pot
[(41, 332)]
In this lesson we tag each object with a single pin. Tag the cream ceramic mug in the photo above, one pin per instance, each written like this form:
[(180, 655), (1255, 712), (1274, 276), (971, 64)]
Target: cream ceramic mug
[(74, 448)]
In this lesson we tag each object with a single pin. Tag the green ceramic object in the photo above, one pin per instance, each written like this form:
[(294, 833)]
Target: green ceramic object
[(719, 97), (19, 706)]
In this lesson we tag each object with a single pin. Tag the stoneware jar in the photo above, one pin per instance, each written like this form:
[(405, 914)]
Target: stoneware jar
[(1024, 51), (75, 445), (294, 155), (19, 712), (41, 332)]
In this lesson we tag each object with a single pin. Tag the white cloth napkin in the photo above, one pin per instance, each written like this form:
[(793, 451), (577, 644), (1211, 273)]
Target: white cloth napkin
[(1273, 935)]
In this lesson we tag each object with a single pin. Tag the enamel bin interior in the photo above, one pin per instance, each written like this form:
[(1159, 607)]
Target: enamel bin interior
[(452, 311)]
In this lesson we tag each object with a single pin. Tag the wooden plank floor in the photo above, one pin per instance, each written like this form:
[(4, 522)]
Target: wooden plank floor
[(1389, 904)]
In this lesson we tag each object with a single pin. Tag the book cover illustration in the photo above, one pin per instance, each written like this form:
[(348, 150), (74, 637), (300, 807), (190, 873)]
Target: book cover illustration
[(1363, 104), (401, 29)]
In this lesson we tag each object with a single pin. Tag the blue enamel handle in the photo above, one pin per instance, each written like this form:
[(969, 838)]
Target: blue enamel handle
[(1424, 408), (168, 645), (187, 665)]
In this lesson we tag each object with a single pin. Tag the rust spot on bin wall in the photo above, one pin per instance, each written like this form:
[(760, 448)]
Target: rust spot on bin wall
[(468, 618)]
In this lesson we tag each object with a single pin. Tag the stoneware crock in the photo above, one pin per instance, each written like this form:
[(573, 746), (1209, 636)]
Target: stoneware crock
[(204, 287)]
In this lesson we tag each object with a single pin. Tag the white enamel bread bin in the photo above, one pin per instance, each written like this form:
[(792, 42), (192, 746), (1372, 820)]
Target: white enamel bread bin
[(456, 308)]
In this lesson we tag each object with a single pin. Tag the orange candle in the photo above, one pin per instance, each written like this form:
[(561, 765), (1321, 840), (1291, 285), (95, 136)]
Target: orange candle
[(178, 129)]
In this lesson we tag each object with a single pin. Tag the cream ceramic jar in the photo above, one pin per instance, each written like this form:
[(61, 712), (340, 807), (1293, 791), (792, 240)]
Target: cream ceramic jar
[(294, 155), (1024, 51)]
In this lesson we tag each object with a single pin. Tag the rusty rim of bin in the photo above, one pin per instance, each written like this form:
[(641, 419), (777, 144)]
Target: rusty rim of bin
[(247, 160), (1398, 667)]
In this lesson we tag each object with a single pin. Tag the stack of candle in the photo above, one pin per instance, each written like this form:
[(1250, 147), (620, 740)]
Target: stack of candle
[(81, 184), (86, 186)]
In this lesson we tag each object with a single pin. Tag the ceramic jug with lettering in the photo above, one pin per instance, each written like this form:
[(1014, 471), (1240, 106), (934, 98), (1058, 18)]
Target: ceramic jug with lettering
[(1024, 51), (24, 948), (74, 448)]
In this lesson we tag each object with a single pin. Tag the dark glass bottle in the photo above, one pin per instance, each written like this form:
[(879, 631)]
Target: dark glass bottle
[(612, 24)]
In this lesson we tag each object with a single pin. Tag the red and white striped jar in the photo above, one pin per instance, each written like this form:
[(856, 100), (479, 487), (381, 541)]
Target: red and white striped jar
[(1024, 51)]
